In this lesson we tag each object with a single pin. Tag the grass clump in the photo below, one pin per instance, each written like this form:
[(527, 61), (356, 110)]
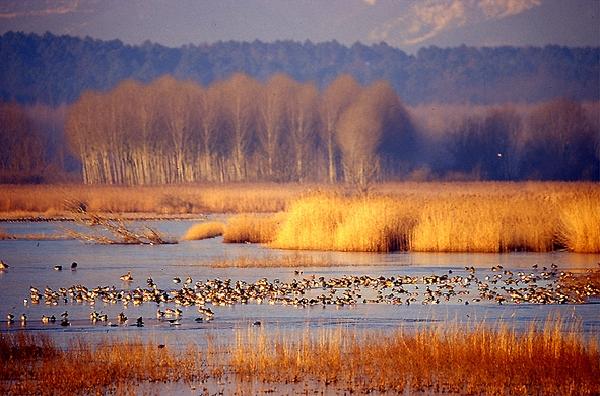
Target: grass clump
[(205, 230), (579, 228), (248, 228)]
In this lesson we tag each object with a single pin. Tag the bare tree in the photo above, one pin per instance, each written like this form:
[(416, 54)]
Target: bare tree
[(239, 94), (272, 110), (359, 134), (303, 118), (336, 98)]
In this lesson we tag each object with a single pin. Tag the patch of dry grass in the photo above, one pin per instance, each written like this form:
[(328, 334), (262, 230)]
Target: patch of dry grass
[(536, 217), (547, 359), (209, 229), (454, 359), (579, 228), (51, 201), (33, 364), (454, 217), (251, 228)]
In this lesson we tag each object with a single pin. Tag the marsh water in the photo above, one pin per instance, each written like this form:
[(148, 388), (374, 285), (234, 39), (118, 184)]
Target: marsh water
[(32, 264)]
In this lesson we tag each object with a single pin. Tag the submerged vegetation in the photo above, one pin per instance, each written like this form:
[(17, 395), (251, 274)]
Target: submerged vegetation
[(451, 358), (111, 231)]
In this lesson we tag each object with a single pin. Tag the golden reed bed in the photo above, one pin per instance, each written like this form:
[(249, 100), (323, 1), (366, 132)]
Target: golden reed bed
[(436, 217), (456, 359), (433, 217)]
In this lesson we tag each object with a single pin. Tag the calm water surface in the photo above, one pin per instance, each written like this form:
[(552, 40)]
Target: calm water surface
[(32, 264)]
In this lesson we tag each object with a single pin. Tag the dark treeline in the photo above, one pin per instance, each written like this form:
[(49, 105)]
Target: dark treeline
[(57, 69), (240, 129), (32, 145)]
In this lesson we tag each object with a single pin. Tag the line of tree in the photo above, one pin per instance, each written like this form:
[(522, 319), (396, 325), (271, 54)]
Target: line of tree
[(239, 129), (57, 69)]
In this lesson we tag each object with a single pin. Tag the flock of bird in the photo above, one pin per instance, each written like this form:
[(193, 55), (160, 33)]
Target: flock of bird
[(497, 286)]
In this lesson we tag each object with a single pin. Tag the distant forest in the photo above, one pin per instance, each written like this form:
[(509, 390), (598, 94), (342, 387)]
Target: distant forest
[(103, 112), (57, 69)]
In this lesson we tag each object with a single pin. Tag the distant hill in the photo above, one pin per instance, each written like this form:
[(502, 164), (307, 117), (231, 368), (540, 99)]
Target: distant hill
[(57, 69)]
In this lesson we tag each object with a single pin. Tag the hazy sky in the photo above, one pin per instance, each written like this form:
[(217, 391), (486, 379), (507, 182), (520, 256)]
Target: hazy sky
[(407, 24)]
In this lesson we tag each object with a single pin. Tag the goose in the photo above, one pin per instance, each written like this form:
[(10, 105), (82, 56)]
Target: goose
[(176, 280), (3, 265), (122, 318), (10, 318), (73, 266), (126, 277), (45, 319), (23, 319), (139, 322), (58, 268)]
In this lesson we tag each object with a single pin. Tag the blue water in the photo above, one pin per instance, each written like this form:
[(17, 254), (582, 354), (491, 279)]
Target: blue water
[(31, 264)]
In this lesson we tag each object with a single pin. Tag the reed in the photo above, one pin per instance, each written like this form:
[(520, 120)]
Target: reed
[(209, 229), (452, 359), (474, 358), (504, 218), (34, 365), (251, 228), (55, 201), (579, 227)]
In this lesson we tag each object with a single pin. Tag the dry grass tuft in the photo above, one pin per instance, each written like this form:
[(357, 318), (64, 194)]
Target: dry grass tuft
[(579, 228), (205, 230), (252, 228), (454, 359)]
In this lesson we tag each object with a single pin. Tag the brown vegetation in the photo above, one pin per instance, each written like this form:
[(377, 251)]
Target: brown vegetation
[(109, 231), (449, 218), (50, 201), (476, 217), (449, 359), (251, 228), (209, 229), (33, 364), (172, 131)]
